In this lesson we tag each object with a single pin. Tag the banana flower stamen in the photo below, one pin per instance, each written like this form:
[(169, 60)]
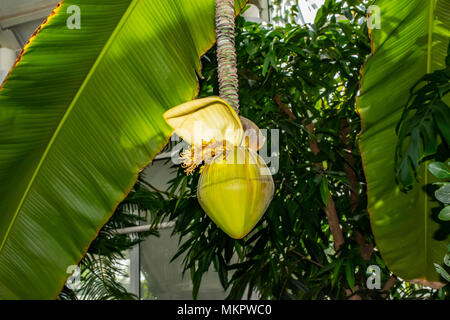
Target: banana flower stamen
[(196, 155)]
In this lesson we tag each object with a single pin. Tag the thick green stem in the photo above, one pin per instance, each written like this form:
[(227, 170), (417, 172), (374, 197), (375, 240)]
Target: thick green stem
[(226, 53)]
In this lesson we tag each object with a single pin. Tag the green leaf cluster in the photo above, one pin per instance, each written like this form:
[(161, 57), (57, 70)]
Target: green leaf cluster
[(442, 194)]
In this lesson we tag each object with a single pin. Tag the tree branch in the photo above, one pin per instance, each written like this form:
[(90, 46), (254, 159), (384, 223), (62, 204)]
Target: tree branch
[(284, 108), (364, 248), (388, 286), (306, 258), (348, 166), (330, 209)]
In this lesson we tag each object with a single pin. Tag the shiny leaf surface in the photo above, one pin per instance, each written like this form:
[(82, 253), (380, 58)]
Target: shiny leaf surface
[(411, 42)]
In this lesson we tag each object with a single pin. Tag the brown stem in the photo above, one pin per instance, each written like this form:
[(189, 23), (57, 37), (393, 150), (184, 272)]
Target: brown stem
[(306, 258), (284, 108), (364, 248), (226, 53), (348, 166), (330, 209), (352, 295), (333, 221), (388, 286)]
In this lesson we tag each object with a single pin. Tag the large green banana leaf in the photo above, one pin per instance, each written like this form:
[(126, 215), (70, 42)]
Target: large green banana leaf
[(80, 116), (411, 42)]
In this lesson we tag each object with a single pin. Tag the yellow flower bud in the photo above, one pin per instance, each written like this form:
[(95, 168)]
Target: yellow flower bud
[(235, 190)]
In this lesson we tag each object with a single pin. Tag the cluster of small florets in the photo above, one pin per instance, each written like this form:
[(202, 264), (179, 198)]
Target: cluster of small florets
[(196, 155)]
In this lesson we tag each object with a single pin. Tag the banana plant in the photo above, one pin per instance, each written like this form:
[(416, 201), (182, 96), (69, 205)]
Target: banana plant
[(225, 143), (81, 114), (411, 40)]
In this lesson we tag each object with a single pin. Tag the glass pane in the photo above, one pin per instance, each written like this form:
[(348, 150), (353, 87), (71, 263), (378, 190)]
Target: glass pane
[(163, 280)]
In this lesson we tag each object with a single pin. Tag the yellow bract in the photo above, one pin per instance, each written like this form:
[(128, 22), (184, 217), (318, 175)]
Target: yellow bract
[(205, 120)]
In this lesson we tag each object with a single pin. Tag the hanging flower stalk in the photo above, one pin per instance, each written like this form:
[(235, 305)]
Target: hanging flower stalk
[(235, 187), (226, 53)]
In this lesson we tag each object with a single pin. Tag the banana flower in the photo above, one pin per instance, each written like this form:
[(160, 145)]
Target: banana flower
[(235, 187)]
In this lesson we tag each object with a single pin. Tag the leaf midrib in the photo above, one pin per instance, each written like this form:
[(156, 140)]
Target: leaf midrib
[(108, 43)]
